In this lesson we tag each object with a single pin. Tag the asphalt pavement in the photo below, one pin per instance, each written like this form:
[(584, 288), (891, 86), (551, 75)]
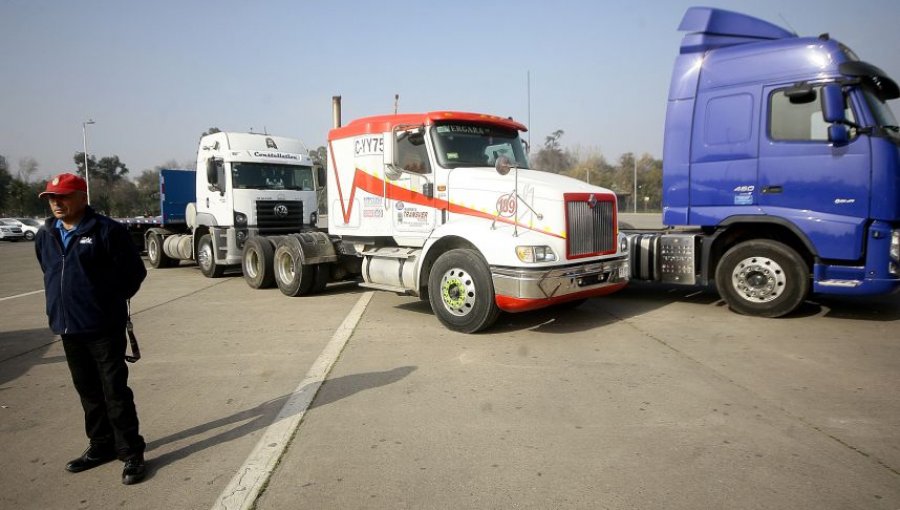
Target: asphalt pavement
[(656, 397)]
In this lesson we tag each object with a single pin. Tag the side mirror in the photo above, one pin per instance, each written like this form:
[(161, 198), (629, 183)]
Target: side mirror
[(503, 165), (392, 172), (321, 176), (833, 104), (838, 134), (212, 176)]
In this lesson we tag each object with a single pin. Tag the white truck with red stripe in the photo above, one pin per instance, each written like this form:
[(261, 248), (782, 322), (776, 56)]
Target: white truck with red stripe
[(442, 206)]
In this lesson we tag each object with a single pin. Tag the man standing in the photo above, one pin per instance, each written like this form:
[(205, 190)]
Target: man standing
[(91, 269)]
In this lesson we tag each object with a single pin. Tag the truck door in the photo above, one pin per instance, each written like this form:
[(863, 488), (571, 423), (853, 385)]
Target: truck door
[(412, 211), (214, 192), (800, 170), (724, 154)]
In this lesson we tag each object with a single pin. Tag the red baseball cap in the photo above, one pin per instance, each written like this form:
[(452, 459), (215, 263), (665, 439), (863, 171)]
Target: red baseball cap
[(64, 184)]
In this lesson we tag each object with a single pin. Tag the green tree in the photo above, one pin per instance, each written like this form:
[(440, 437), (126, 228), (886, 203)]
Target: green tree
[(78, 158), (319, 156), (27, 168), (552, 157), (104, 174)]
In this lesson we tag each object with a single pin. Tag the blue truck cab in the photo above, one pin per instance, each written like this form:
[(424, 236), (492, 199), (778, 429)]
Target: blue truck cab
[(781, 168)]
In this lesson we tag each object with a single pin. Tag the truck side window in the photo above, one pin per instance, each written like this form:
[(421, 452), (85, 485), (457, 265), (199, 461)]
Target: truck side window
[(798, 120), (412, 154)]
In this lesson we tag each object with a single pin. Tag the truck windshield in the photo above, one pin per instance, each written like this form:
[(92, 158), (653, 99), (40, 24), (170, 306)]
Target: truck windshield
[(884, 117), (470, 144), (271, 176)]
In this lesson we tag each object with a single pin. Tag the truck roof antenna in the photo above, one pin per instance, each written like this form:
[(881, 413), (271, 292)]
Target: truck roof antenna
[(396, 103), (788, 23)]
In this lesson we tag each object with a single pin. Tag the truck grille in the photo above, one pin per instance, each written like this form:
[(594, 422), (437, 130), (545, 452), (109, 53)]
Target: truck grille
[(274, 216), (590, 224)]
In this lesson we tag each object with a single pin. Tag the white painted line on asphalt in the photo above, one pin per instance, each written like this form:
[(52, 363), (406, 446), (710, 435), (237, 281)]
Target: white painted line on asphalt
[(21, 295), (242, 491)]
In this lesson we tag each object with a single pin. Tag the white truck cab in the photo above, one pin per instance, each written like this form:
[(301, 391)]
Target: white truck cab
[(249, 185), (249, 190), (442, 205)]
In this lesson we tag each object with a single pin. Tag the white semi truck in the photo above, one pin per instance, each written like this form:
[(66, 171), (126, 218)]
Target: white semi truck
[(248, 191), (442, 206)]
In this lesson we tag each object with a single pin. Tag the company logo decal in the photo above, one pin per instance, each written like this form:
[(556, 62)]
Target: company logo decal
[(506, 205), (281, 210), (592, 201), (270, 144)]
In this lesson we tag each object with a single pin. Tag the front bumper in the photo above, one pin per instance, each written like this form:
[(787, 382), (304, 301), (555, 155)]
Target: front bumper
[(520, 290)]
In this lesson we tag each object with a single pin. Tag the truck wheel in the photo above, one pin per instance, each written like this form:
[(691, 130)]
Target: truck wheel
[(256, 262), (155, 253), (292, 277), (206, 258), (461, 291), (763, 278)]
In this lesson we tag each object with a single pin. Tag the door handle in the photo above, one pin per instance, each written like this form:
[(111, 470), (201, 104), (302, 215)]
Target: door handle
[(772, 189)]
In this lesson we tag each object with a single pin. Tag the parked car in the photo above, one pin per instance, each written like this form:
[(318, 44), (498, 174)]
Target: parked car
[(30, 227), (10, 230)]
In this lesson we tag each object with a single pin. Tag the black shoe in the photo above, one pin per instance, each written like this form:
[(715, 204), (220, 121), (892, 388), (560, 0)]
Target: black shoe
[(135, 469), (92, 457)]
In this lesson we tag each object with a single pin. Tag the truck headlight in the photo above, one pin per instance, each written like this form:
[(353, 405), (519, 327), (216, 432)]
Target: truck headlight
[(240, 219), (535, 253)]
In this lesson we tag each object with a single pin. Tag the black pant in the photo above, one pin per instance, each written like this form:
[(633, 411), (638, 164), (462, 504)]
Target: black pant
[(97, 364)]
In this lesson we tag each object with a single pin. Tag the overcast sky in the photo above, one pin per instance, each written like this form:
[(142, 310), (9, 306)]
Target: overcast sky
[(156, 74)]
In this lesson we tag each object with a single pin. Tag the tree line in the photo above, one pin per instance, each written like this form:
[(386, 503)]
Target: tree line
[(592, 167), (112, 191)]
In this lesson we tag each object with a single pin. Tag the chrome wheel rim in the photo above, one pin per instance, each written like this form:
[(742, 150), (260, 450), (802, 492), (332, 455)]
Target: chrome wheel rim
[(759, 279), (284, 267), (458, 292), (153, 248), (251, 266), (205, 257)]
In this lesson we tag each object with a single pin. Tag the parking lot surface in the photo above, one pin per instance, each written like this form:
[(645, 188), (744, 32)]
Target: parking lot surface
[(656, 397)]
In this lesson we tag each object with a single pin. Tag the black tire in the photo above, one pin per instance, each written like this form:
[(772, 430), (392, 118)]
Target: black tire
[(155, 253), (323, 274), (292, 277), (257, 261), (763, 278), (29, 235), (461, 291), (206, 258)]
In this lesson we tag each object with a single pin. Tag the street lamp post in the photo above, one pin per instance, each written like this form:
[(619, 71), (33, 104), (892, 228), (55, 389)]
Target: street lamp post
[(87, 172)]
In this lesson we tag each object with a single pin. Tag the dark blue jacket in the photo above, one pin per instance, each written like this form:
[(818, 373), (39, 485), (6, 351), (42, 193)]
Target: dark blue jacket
[(87, 285)]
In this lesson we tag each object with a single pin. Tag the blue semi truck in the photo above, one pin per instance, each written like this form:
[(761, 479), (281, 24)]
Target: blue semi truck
[(781, 169)]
